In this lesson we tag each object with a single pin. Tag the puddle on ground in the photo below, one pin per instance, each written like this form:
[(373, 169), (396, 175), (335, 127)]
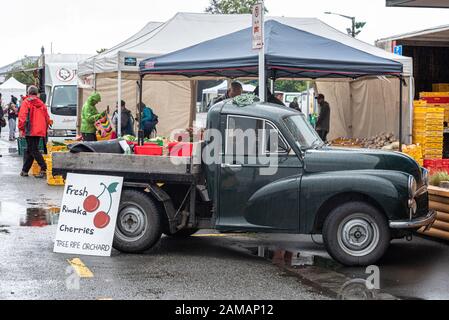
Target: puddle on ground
[(35, 214)]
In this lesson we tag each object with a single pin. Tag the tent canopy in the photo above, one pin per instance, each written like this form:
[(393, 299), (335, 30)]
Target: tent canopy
[(290, 53), (188, 29), (12, 87)]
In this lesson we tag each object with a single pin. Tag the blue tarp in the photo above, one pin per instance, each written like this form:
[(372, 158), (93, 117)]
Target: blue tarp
[(290, 53)]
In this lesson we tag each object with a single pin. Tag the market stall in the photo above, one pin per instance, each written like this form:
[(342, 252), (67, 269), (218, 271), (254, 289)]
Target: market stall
[(291, 53)]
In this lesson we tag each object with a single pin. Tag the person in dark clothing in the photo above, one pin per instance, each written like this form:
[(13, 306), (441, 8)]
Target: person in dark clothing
[(126, 120), (270, 97), (295, 105), (235, 91), (323, 122), (14, 100), (12, 116), (33, 125)]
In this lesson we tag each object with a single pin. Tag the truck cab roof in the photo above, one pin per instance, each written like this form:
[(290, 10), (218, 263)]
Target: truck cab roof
[(264, 110)]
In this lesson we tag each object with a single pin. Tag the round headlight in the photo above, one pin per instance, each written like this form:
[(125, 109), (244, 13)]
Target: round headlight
[(425, 176), (412, 187)]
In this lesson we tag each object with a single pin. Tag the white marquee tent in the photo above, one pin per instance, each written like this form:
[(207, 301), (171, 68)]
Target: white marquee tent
[(175, 101), (12, 87)]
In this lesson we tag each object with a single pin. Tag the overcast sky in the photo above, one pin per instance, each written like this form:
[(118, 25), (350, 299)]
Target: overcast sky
[(83, 26)]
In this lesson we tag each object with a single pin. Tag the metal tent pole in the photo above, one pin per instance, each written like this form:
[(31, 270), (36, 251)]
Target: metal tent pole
[(400, 111), (119, 97), (140, 133)]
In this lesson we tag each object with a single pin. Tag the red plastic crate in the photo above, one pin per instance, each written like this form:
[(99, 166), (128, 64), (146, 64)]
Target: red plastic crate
[(148, 150), (180, 149), (436, 100)]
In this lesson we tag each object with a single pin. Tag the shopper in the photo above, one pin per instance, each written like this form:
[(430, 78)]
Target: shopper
[(126, 120), (33, 125), (12, 113), (89, 115), (295, 105), (323, 122), (149, 121)]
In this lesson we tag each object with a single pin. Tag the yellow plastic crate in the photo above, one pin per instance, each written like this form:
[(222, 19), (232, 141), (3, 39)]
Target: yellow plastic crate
[(428, 127), (55, 181), (419, 103), (438, 146), (427, 121), (35, 169), (433, 94)]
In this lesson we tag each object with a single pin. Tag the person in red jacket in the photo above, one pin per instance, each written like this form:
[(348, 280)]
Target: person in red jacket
[(33, 125)]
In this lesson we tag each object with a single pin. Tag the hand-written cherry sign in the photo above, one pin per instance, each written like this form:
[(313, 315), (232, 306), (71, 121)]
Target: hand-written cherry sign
[(88, 215)]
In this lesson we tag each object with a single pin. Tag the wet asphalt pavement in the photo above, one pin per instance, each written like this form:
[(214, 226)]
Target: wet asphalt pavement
[(202, 267)]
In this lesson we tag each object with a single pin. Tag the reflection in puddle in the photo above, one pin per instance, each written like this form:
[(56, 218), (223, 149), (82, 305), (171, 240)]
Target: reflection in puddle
[(16, 215), (38, 217)]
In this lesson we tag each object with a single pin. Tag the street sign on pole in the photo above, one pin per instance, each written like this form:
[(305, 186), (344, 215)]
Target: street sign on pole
[(258, 44)]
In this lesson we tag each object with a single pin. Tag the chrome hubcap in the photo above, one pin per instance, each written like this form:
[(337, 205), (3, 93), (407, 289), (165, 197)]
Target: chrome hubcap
[(358, 235)]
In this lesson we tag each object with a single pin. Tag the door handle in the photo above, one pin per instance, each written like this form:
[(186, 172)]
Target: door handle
[(231, 166)]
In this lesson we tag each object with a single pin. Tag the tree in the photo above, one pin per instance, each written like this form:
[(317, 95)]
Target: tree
[(290, 86), (231, 6), (24, 73)]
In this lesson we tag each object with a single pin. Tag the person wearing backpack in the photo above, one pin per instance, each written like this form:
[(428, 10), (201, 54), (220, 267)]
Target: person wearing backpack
[(149, 121), (34, 122)]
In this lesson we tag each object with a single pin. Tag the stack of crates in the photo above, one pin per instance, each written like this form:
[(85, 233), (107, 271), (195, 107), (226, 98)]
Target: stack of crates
[(52, 180), (437, 100), (428, 130)]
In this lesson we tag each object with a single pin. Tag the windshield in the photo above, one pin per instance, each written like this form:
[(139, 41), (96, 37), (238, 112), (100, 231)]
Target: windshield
[(303, 133), (64, 100)]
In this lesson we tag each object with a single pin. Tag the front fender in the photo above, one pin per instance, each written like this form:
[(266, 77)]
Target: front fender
[(388, 189)]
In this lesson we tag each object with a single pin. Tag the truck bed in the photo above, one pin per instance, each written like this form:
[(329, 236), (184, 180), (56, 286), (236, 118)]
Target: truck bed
[(132, 168)]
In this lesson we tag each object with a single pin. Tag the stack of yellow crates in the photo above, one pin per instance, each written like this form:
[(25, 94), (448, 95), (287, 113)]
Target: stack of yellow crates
[(437, 100), (52, 180), (428, 130)]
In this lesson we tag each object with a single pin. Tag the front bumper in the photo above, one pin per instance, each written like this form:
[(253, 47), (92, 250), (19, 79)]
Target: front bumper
[(417, 223)]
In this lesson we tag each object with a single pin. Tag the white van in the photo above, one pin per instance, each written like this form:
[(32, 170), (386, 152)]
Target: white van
[(58, 76)]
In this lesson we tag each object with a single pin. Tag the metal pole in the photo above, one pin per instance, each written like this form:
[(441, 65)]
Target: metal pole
[(119, 98), (140, 134), (262, 76), (400, 112)]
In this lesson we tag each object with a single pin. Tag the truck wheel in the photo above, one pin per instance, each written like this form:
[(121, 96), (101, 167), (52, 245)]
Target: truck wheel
[(356, 234), (138, 223), (184, 233)]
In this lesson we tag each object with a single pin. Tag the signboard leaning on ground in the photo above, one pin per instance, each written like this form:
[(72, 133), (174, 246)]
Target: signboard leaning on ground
[(88, 215)]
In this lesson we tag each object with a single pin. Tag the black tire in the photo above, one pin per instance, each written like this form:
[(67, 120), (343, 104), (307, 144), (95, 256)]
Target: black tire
[(138, 223), (367, 234), (184, 233)]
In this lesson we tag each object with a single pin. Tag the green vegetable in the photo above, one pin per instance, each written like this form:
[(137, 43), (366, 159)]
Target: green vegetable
[(130, 138)]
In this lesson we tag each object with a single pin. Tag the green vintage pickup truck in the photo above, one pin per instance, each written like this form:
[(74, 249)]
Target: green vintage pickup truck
[(285, 181)]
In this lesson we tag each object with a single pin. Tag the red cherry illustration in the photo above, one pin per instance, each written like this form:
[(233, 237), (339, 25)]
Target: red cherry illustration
[(102, 220), (91, 203)]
